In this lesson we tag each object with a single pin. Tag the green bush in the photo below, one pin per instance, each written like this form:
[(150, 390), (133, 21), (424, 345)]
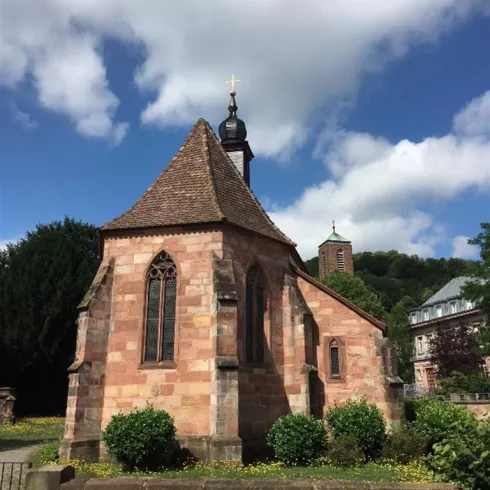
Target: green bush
[(363, 421), (49, 453), (142, 439), (404, 445), (297, 439), (344, 451), (437, 420), (465, 383), (465, 461)]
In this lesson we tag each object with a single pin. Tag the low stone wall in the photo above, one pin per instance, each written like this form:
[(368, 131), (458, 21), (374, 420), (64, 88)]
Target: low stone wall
[(481, 408), (181, 484)]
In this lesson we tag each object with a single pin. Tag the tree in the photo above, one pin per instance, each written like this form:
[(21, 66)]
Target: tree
[(43, 277), (354, 289), (455, 349), (401, 338), (478, 289)]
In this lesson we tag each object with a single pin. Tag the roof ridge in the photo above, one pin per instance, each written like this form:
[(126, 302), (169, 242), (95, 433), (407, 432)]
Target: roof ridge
[(207, 159), (249, 190), (182, 146)]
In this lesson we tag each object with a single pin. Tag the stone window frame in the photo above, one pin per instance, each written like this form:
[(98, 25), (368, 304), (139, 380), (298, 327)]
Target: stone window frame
[(339, 343), (160, 363), (266, 319)]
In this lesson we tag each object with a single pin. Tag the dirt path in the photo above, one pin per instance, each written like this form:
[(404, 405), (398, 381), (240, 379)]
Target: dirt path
[(20, 454)]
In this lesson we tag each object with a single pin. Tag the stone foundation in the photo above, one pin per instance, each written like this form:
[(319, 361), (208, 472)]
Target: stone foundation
[(210, 449), (86, 448)]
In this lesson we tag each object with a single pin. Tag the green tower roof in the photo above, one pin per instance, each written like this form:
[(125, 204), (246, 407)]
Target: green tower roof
[(335, 237)]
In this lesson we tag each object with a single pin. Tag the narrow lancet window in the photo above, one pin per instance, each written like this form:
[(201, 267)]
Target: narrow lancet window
[(254, 313), (160, 310), (334, 359)]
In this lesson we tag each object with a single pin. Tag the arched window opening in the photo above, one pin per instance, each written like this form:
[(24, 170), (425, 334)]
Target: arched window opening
[(254, 316), (334, 358), (160, 310), (324, 265), (340, 261)]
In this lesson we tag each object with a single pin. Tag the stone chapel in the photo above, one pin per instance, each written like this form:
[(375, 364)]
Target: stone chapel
[(203, 307)]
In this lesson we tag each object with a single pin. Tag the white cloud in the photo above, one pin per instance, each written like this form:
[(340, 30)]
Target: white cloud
[(292, 57), (377, 190), (463, 250), (23, 118), (40, 39), (474, 119)]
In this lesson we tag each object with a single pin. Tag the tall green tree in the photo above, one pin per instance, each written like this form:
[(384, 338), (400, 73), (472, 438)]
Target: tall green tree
[(401, 338), (43, 277), (354, 289), (478, 289)]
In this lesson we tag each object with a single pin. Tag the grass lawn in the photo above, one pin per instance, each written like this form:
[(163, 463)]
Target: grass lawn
[(30, 431), (373, 472)]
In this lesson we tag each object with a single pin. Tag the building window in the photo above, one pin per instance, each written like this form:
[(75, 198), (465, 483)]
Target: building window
[(324, 266), (254, 313), (413, 318), (340, 261), (453, 307), (438, 311), (469, 305), (426, 315), (420, 345), (161, 283), (334, 358)]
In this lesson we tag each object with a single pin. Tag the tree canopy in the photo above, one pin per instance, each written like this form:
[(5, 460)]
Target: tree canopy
[(399, 334), (354, 289), (478, 289), (393, 275), (43, 277)]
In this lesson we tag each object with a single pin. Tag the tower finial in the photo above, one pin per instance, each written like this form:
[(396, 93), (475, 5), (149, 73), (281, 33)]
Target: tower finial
[(333, 225), (232, 107)]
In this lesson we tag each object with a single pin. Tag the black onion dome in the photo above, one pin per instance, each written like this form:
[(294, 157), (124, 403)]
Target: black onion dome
[(232, 128)]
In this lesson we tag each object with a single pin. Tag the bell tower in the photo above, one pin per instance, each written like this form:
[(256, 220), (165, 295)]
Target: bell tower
[(233, 135), (335, 254)]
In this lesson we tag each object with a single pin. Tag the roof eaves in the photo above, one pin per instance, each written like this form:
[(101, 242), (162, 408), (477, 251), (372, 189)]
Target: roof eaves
[(443, 319)]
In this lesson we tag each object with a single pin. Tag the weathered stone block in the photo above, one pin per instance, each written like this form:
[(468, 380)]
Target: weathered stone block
[(48, 477), (115, 484)]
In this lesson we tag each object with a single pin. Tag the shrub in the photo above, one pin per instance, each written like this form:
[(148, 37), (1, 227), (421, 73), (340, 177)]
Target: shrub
[(465, 461), (437, 420), (297, 439), (363, 421), (404, 445), (344, 451), (142, 439), (464, 383), (49, 453)]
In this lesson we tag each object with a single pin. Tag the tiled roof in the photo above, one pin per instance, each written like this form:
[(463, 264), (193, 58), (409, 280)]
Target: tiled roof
[(451, 290), (200, 185)]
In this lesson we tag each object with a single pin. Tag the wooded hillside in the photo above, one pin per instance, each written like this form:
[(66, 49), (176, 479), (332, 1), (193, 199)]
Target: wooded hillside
[(394, 275)]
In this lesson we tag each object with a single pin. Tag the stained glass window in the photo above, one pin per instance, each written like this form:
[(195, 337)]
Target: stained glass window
[(160, 311), (254, 313), (334, 359)]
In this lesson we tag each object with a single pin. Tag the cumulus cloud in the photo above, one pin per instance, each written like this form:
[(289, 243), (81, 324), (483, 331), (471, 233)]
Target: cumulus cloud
[(376, 190), (292, 57), (40, 39), (463, 250), (474, 119)]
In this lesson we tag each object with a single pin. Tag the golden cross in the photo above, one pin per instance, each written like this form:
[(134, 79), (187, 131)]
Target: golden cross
[(232, 81)]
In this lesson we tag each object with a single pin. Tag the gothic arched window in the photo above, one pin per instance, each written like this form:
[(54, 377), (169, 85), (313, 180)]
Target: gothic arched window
[(254, 316), (161, 284), (334, 358), (324, 265), (340, 261)]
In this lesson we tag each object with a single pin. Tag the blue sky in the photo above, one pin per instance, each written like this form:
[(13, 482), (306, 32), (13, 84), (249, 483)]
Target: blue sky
[(367, 123)]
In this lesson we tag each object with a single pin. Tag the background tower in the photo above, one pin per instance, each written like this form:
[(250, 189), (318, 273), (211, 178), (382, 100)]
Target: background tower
[(233, 135), (335, 254)]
